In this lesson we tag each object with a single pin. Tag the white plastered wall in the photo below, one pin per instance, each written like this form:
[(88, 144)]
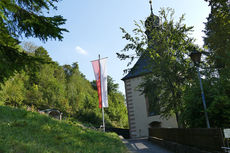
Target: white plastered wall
[(137, 111)]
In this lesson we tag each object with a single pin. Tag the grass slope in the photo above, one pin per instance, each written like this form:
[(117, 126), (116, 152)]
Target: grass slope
[(29, 132)]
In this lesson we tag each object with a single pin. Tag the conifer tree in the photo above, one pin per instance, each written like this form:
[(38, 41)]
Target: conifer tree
[(25, 18)]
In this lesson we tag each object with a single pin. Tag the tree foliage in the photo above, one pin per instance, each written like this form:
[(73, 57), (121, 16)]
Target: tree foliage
[(168, 46), (117, 109), (217, 103), (25, 18), (173, 83), (65, 88), (217, 32), (215, 70)]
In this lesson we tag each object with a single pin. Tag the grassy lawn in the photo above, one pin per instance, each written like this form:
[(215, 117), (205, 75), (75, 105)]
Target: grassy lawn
[(29, 132)]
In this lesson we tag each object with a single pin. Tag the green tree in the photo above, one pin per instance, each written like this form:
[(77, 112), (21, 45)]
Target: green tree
[(117, 110), (112, 87), (168, 46), (13, 90), (217, 37), (46, 85), (216, 71), (218, 104), (25, 18), (42, 53)]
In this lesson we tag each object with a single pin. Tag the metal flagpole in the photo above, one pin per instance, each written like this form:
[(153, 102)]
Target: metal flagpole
[(103, 119)]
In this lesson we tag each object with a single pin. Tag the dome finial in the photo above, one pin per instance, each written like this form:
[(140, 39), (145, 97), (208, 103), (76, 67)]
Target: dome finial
[(150, 2)]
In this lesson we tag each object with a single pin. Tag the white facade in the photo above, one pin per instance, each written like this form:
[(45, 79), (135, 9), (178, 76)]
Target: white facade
[(137, 111)]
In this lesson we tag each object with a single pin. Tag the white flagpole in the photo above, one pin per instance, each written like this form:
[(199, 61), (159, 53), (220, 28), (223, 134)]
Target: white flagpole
[(103, 119)]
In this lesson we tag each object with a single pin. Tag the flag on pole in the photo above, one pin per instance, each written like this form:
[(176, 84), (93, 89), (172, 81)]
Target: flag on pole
[(100, 72), (96, 69)]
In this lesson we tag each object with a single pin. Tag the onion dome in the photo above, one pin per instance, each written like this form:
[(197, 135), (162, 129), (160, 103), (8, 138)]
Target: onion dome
[(152, 21)]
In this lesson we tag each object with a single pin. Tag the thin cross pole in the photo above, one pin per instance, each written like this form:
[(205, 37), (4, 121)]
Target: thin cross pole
[(151, 7)]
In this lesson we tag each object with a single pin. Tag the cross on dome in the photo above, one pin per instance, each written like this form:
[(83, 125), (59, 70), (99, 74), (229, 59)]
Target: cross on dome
[(150, 2)]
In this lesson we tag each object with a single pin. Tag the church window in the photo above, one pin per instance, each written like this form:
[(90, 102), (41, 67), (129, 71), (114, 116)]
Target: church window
[(152, 104)]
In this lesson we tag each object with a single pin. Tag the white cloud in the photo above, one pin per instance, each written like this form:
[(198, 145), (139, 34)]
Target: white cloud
[(81, 51)]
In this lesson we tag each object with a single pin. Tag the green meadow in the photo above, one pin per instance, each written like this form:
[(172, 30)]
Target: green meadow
[(23, 131)]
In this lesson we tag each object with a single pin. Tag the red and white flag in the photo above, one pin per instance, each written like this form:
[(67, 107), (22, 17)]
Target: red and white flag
[(100, 72)]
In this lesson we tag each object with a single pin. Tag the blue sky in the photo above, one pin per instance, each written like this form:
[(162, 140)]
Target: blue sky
[(94, 28)]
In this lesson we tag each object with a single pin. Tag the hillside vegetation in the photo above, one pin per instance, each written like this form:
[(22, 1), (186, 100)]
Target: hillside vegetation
[(22, 131), (45, 84)]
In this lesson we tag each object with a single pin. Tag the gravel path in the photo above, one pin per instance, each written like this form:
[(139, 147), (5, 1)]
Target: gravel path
[(142, 145)]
